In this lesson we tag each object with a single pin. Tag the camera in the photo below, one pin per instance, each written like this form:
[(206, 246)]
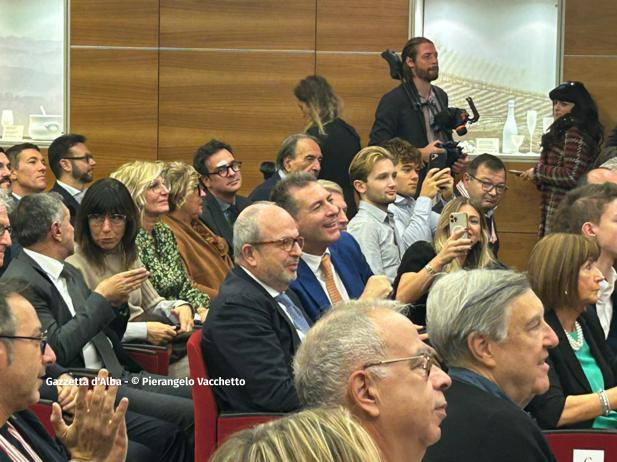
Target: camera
[(453, 152), (456, 119)]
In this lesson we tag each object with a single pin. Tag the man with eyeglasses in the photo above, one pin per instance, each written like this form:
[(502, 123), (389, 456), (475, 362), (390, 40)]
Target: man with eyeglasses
[(489, 328), (255, 325), (367, 356), (72, 164), (298, 153), (485, 184), (221, 177)]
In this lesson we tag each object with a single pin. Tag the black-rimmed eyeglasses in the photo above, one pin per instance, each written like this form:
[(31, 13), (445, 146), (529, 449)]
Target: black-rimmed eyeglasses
[(42, 339), (286, 243), (487, 186), (223, 170)]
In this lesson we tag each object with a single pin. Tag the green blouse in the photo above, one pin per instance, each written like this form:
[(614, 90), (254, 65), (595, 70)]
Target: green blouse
[(159, 254)]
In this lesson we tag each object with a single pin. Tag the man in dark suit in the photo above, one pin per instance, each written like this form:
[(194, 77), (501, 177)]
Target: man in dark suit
[(254, 326), (489, 327), (332, 267), (222, 179), (72, 164), (85, 327), (298, 153), (27, 170)]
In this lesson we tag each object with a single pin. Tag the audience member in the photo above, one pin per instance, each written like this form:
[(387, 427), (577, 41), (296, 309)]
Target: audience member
[(298, 153), (598, 176), (338, 140), (449, 252), (27, 170), (204, 254), (72, 164), (592, 211), (314, 435), (98, 431), (221, 177), (5, 171), (583, 377), (485, 184), (369, 358), (569, 147), (373, 174), (489, 329), (337, 199), (254, 326), (332, 267), (157, 246), (414, 218), (83, 326)]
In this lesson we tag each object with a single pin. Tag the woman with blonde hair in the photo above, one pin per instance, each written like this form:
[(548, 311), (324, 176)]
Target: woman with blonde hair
[(204, 254), (449, 252), (155, 241), (338, 140), (314, 435), (582, 371)]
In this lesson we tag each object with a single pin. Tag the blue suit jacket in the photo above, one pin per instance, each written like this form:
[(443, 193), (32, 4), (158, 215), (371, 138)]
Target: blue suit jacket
[(351, 266)]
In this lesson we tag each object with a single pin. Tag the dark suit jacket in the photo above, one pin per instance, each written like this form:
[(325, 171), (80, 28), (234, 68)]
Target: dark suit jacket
[(482, 427), (262, 192), (67, 334), (29, 427), (351, 266), (248, 336), (214, 218), (566, 374), (68, 200), (612, 330)]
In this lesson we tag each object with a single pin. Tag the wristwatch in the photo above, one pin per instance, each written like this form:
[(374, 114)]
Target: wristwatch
[(429, 269)]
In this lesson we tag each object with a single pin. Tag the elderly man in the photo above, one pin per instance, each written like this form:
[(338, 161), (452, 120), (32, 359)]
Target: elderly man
[(332, 267), (598, 176), (254, 327), (489, 328), (368, 357), (298, 153)]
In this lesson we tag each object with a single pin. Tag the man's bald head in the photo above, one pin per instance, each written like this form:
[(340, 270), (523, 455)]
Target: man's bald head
[(600, 176)]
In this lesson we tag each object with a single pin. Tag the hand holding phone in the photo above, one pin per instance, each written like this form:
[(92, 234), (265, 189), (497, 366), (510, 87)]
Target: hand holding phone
[(458, 220)]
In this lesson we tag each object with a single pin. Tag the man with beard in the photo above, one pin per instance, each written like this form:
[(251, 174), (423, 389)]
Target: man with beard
[(72, 164), (5, 171)]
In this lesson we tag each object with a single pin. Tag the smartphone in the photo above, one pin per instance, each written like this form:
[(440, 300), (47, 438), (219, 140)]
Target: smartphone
[(437, 160), (516, 172), (458, 220)]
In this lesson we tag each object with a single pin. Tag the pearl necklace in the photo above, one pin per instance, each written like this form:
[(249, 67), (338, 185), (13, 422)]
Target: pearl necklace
[(578, 343)]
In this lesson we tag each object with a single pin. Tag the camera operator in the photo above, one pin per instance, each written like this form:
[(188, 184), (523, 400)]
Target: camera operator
[(409, 111)]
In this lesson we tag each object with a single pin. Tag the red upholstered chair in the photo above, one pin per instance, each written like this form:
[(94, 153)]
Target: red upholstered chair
[(564, 442), (212, 427), (152, 358), (42, 409)]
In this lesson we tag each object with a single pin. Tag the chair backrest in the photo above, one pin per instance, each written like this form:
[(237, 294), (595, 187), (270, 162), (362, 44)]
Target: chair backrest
[(563, 443), (206, 411)]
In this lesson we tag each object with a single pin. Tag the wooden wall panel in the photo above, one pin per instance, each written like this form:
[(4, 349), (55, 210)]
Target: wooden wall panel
[(590, 27), (362, 25), (519, 210), (514, 249), (360, 80), (270, 24), (244, 99), (115, 22), (114, 103)]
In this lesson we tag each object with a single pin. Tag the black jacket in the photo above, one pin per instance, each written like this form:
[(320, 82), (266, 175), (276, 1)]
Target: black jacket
[(214, 218)]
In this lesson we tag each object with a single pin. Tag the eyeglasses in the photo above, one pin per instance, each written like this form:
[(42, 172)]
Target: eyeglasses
[(286, 243), (97, 219), (223, 170), (157, 186), (425, 361), (487, 186), (5, 228), (87, 158), (42, 339)]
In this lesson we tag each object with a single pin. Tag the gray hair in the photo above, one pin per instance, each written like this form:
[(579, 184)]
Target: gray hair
[(288, 147), (6, 201), (34, 215), (281, 193), (8, 323), (342, 341), (246, 227), (464, 302)]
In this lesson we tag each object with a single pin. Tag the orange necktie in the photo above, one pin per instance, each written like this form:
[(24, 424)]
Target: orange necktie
[(326, 267)]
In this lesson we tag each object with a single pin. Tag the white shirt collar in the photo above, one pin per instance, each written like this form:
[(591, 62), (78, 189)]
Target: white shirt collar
[(271, 291), (50, 265), (72, 191), (313, 261)]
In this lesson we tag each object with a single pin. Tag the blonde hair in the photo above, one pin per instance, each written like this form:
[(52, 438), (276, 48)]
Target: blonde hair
[(137, 176), (364, 161), (330, 186), (181, 180), (313, 435), (480, 256), (323, 104)]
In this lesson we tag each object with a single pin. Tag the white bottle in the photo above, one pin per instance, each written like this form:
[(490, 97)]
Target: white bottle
[(509, 129)]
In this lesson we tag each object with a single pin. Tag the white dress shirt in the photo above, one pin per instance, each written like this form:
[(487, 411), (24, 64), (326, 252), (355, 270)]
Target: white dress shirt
[(604, 305), (314, 264)]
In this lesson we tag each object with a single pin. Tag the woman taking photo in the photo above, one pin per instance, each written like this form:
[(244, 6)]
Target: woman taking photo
[(338, 140), (204, 254), (423, 261), (155, 242), (569, 148), (582, 373)]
